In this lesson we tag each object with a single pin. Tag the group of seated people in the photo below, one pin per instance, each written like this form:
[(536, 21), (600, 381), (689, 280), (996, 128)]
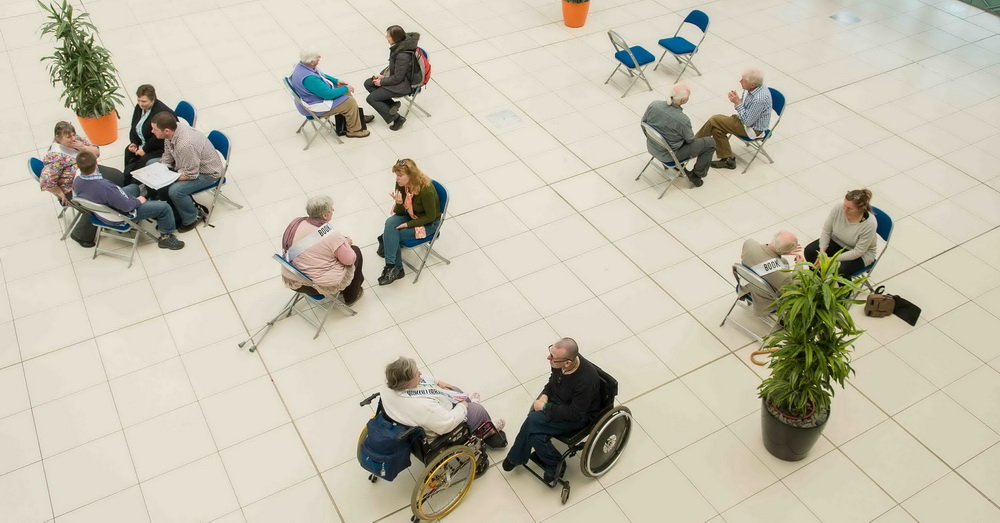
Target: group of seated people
[(327, 96), (155, 135), (752, 119)]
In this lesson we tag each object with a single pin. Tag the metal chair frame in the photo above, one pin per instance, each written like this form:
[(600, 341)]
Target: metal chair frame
[(635, 72), (414, 244), (128, 230), (746, 277), (35, 167), (310, 117), (412, 97), (220, 141), (674, 167), (778, 106), (186, 111), (690, 56)]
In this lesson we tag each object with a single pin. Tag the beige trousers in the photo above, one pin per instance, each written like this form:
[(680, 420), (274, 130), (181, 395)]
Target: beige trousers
[(348, 108), (719, 127)]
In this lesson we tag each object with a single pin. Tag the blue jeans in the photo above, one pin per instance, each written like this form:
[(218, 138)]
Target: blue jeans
[(536, 432), (391, 237), (156, 210), (180, 196)]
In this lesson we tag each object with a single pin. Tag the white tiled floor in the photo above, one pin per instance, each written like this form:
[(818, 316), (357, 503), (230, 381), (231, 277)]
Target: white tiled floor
[(126, 398)]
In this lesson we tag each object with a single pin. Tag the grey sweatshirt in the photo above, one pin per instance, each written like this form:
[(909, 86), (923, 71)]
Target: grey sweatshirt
[(857, 239)]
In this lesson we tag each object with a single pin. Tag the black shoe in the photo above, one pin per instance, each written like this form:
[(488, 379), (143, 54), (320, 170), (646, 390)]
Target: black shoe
[(369, 118), (390, 274), (397, 124), (188, 227), (508, 465), (394, 108), (86, 244), (549, 478), (693, 178), (725, 163), (381, 247), (169, 241), (361, 292)]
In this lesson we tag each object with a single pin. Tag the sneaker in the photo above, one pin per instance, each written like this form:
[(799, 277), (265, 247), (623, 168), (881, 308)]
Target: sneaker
[(725, 163), (381, 247), (169, 241), (397, 124), (358, 134), (188, 227), (390, 274), (693, 178), (394, 108), (369, 118)]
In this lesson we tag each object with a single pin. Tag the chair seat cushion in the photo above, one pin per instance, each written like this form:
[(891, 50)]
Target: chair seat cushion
[(97, 222), (677, 45), (757, 139), (642, 55), (210, 187), (414, 243)]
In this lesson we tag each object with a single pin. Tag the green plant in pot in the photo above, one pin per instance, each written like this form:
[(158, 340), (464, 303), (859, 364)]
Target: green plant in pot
[(810, 355), (83, 67)]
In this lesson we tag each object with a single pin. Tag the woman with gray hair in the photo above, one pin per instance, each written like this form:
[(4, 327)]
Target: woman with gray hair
[(419, 400), (328, 258), (326, 95)]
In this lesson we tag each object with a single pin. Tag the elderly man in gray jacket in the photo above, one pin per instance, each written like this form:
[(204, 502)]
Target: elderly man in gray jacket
[(674, 126)]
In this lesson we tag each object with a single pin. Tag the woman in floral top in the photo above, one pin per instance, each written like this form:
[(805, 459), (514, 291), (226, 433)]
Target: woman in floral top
[(60, 169)]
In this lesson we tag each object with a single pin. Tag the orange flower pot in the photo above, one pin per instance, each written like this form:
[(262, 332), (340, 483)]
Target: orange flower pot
[(575, 15), (101, 131)]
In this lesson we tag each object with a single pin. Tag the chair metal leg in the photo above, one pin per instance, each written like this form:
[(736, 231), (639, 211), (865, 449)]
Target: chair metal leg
[(661, 59), (635, 78), (72, 225), (730, 312), (613, 73), (651, 158), (679, 75), (309, 141), (670, 181), (304, 122)]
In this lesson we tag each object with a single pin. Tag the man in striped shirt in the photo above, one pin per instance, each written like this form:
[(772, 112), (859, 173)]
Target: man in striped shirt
[(753, 114), (191, 154)]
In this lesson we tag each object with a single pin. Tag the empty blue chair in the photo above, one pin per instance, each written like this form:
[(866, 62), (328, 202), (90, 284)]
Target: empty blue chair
[(429, 241), (186, 111), (634, 59), (778, 106), (681, 48), (311, 117), (884, 230), (35, 167), (221, 143)]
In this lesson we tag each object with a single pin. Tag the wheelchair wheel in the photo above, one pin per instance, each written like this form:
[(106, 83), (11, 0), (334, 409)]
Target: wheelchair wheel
[(444, 483), (606, 442)]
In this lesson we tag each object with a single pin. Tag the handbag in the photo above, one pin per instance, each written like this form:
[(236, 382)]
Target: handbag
[(906, 310), (340, 122), (879, 305)]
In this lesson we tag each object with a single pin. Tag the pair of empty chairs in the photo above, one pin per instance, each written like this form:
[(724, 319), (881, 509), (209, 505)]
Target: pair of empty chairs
[(633, 60)]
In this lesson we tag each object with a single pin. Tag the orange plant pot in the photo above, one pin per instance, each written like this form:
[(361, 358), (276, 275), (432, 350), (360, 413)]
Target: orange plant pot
[(575, 15), (101, 131)]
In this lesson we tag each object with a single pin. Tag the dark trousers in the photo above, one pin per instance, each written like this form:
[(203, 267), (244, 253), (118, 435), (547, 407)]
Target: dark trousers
[(847, 268), (380, 99), (351, 291), (84, 230), (703, 148), (536, 433), (134, 161)]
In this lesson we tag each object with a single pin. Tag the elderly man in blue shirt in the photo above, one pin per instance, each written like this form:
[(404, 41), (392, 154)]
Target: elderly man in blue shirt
[(674, 126), (753, 115)]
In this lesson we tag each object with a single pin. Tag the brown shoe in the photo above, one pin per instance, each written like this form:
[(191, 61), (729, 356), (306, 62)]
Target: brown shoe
[(188, 227), (358, 134), (369, 118)]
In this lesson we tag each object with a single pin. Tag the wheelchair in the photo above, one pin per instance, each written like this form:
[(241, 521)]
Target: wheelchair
[(600, 443), (451, 461)]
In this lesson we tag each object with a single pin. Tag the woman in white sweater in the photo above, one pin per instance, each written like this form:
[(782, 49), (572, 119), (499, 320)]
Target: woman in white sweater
[(418, 400), (849, 227)]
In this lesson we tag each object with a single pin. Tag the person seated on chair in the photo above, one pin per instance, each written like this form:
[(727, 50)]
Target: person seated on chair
[(674, 126), (415, 214), (394, 81), (60, 168), (568, 402), (188, 152), (91, 186), (753, 115), (144, 147), (755, 255), (416, 399), (326, 95), (328, 258), (851, 227)]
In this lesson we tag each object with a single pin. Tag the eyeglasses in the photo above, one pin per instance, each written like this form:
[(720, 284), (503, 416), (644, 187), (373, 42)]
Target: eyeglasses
[(553, 359)]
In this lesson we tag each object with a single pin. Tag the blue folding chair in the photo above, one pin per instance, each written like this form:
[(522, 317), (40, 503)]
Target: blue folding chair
[(673, 168), (113, 224), (315, 310), (428, 242), (186, 111), (679, 47), (35, 167), (634, 59), (311, 117), (221, 143), (778, 105), (417, 89), (884, 231)]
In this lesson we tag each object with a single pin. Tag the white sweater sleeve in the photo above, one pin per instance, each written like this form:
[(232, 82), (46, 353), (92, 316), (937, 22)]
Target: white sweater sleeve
[(434, 417)]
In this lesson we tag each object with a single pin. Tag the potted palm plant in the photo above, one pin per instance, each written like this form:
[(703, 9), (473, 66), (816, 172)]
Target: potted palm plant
[(575, 12), (810, 354), (83, 67)]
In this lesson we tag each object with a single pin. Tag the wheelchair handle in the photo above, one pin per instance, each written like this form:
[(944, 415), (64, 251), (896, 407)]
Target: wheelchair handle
[(368, 400)]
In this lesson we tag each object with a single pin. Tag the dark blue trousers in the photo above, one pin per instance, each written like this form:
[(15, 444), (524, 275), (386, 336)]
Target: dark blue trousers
[(536, 432)]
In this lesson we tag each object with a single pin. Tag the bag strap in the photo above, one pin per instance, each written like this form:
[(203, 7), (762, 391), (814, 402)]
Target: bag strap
[(879, 290)]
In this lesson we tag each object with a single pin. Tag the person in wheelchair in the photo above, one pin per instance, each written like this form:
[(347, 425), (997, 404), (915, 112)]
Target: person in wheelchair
[(418, 400), (569, 402)]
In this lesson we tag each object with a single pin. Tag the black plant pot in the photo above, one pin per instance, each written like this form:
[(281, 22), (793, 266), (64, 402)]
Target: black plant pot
[(783, 439)]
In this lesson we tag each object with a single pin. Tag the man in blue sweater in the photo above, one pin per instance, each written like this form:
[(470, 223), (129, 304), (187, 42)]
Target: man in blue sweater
[(90, 185), (326, 95)]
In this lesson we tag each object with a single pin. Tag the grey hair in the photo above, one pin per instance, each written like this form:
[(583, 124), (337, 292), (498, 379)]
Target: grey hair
[(63, 128), (308, 55), (784, 242), (569, 345), (680, 93), (754, 76), (400, 372), (318, 206)]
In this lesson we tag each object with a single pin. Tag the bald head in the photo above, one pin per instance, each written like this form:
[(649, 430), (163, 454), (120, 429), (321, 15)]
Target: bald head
[(680, 94), (784, 242)]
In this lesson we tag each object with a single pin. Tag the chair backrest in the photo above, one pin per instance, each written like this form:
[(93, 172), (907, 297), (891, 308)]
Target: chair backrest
[(442, 197), (186, 111), (35, 167), (654, 136), (291, 268), (220, 141), (698, 19), (609, 388), (300, 106), (884, 228), (777, 101), (621, 45), (746, 276), (103, 212)]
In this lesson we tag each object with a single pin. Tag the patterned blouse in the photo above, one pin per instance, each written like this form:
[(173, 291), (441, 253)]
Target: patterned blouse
[(60, 168)]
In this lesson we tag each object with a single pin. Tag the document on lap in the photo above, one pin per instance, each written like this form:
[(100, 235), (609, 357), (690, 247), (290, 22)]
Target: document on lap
[(155, 175)]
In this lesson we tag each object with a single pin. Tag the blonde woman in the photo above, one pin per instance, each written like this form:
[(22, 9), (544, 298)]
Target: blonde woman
[(850, 227), (415, 214)]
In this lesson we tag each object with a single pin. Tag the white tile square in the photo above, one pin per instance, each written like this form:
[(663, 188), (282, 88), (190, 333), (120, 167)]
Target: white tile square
[(315, 383), (570, 237), (354, 498), (964, 272), (523, 350), (951, 499), (980, 471), (498, 311), (306, 501), (674, 417), (723, 469), (89, 472), (586, 190), (889, 382), (121, 355), (221, 366), (467, 275), (775, 503), (424, 333), (653, 249), (539, 207), (169, 441), (492, 381), (266, 464), (835, 489), (76, 419), (520, 255), (591, 324), (947, 429), (244, 411), (670, 487), (123, 507), (198, 491), (641, 304), (700, 231), (24, 494), (635, 367), (727, 386), (604, 269), (934, 355), (894, 459), (490, 224), (18, 442), (692, 283), (152, 391), (64, 372), (682, 344), (974, 390)]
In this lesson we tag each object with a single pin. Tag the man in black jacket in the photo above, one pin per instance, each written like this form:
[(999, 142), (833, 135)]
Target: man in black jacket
[(569, 401)]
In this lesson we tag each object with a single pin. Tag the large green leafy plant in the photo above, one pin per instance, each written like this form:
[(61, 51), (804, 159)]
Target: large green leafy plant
[(813, 351), (84, 68)]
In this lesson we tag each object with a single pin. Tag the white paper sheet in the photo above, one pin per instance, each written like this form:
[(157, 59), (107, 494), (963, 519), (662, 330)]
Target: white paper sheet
[(155, 175)]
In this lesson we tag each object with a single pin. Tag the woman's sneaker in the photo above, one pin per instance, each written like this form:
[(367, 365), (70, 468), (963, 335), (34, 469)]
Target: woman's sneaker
[(169, 241)]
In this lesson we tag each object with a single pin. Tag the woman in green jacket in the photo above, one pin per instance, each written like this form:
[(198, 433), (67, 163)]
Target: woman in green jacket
[(415, 215)]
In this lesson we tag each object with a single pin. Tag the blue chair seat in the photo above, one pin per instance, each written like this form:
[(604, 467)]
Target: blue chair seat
[(210, 187), (677, 45), (121, 227), (416, 241), (761, 137), (643, 56)]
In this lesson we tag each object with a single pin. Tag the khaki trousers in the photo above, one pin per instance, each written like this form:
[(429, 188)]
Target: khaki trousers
[(719, 127), (348, 108)]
